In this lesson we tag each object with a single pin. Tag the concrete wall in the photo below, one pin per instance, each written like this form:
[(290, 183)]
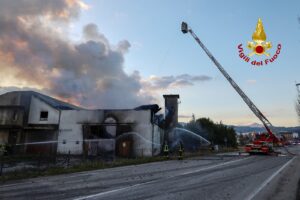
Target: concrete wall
[(11, 116), (12, 98), (141, 128), (145, 134), (71, 130), (157, 139), (36, 106)]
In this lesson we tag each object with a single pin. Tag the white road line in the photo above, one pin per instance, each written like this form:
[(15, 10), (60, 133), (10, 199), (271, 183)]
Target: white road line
[(112, 191), (250, 197), (185, 173)]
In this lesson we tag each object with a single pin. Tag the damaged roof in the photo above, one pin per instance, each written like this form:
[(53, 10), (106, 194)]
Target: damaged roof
[(153, 107), (60, 105), (54, 102)]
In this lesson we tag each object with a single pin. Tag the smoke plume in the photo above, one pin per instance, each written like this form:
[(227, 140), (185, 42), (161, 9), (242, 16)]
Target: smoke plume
[(35, 53)]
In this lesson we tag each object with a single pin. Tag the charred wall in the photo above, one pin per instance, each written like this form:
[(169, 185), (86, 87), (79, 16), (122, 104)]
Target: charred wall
[(171, 111), (43, 139), (171, 114), (124, 132), (11, 116)]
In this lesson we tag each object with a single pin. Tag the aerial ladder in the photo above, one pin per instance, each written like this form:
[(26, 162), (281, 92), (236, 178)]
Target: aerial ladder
[(298, 99), (265, 142)]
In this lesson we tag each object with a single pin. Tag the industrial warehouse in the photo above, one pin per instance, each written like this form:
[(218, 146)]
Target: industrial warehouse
[(35, 123), (90, 106)]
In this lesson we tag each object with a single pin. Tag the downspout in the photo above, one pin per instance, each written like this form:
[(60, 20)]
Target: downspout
[(58, 130), (152, 142)]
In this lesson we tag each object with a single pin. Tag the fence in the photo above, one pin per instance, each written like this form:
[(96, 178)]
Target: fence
[(41, 161)]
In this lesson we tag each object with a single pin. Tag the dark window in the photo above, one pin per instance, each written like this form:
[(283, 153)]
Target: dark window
[(44, 116), (15, 115)]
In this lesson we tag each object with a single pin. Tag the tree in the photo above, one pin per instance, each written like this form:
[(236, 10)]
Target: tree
[(195, 127), (216, 133)]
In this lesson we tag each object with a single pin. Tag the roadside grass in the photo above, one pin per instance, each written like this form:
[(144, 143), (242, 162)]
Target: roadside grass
[(88, 165), (83, 166)]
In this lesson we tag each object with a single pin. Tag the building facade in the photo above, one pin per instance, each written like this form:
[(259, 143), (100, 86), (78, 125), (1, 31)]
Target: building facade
[(31, 122)]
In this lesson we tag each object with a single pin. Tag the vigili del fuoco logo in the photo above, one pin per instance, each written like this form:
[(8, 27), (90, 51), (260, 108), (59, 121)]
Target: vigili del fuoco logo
[(259, 47)]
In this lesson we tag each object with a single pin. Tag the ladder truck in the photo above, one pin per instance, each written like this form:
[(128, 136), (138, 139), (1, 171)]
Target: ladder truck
[(264, 143)]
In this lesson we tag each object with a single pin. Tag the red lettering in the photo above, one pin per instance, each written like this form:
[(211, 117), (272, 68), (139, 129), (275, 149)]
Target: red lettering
[(240, 48), (259, 63), (266, 61), (242, 55), (278, 51), (279, 46)]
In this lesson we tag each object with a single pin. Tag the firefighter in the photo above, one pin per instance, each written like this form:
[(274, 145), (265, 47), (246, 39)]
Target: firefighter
[(180, 151), (166, 150)]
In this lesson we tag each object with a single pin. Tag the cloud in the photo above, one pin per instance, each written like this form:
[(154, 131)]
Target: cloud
[(168, 82), (251, 81), (137, 45), (12, 88), (91, 32), (185, 116)]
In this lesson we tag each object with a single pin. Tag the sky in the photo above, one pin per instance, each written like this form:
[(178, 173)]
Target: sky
[(146, 55)]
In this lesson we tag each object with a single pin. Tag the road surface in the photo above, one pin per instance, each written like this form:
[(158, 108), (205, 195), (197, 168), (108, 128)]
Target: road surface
[(230, 177)]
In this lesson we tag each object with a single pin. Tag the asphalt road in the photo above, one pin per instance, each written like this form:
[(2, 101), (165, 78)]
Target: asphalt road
[(230, 177)]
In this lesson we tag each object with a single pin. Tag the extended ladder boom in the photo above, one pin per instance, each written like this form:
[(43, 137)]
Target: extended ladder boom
[(255, 110)]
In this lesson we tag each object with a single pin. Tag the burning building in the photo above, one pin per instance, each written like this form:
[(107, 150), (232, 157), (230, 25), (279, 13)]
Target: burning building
[(31, 122)]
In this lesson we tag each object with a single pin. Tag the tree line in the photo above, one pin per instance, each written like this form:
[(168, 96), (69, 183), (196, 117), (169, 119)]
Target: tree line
[(216, 133)]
